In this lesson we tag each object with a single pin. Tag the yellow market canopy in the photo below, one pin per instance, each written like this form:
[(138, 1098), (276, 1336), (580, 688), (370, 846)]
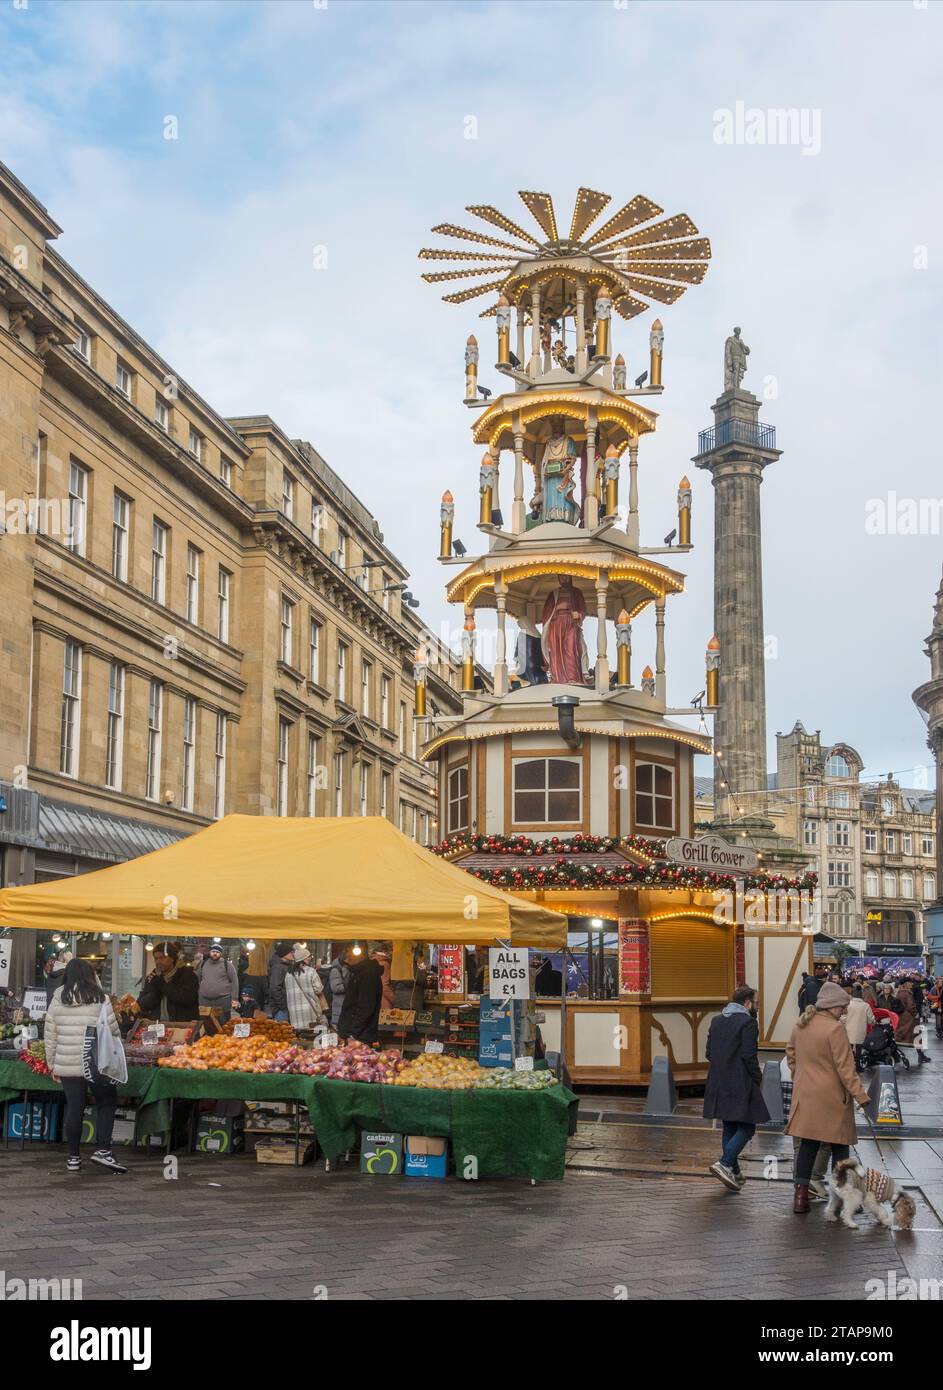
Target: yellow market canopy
[(341, 879)]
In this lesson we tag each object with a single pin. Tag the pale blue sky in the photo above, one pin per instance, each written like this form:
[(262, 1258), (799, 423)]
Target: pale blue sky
[(344, 126)]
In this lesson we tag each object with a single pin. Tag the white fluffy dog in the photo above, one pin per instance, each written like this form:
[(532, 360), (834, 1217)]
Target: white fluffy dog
[(853, 1188)]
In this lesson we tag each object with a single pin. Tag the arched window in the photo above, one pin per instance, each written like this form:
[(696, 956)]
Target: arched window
[(929, 887), (872, 883), (906, 885), (837, 766), (890, 885)]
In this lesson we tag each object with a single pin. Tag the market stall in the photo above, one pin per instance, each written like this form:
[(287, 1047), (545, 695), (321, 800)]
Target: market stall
[(355, 879)]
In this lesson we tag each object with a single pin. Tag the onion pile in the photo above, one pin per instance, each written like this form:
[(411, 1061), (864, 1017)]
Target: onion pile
[(354, 1062)]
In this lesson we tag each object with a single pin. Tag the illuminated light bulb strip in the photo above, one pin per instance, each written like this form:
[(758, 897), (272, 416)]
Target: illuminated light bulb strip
[(670, 230), (703, 914), (540, 207), (589, 204), (603, 730), (467, 234), (631, 571), (430, 254), (629, 308), (472, 293), (639, 209), (433, 276), (498, 219), (696, 249), (665, 294), (691, 274)]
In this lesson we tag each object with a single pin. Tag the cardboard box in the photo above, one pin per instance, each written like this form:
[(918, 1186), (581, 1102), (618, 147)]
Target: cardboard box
[(281, 1151), (426, 1157), (42, 1120), (219, 1134), (381, 1155)]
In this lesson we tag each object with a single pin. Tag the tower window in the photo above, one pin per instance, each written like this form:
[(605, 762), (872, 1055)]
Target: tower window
[(654, 796), (547, 791)]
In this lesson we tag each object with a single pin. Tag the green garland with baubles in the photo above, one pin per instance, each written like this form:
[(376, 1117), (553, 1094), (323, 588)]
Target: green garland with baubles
[(554, 867)]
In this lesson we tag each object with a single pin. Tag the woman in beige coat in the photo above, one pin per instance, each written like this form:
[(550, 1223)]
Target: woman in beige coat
[(825, 1084)]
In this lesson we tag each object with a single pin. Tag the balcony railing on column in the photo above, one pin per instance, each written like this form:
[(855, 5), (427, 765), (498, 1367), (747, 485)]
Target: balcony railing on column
[(736, 432)]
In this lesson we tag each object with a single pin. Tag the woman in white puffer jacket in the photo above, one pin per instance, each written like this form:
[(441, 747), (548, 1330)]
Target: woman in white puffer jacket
[(71, 1022)]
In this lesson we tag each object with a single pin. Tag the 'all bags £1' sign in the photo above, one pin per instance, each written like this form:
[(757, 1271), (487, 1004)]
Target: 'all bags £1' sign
[(508, 972)]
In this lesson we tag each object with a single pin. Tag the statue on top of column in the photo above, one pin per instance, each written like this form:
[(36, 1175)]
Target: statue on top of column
[(557, 483), (736, 353)]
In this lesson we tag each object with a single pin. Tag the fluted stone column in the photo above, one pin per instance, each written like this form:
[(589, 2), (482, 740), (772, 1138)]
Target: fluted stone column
[(738, 450), (929, 699)]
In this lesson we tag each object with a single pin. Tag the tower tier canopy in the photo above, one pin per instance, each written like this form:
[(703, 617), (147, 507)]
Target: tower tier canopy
[(630, 583), (618, 422)]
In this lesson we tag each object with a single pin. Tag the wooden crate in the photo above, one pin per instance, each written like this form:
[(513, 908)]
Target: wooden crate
[(285, 1153)]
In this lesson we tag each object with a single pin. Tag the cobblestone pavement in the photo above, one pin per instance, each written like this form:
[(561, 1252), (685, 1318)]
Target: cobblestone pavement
[(282, 1233)]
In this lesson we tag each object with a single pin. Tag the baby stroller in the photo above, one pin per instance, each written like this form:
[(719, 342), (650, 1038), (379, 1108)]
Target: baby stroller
[(880, 1047)]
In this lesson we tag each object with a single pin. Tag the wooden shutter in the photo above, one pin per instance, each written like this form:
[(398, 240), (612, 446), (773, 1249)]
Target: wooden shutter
[(691, 959)]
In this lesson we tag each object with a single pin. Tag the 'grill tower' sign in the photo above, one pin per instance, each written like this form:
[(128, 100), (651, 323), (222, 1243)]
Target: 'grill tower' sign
[(711, 852)]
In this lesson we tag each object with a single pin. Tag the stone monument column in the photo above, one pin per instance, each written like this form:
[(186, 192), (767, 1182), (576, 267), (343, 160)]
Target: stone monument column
[(929, 700), (735, 452)]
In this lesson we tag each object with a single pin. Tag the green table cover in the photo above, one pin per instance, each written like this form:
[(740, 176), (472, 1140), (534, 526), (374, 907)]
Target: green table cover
[(493, 1133)]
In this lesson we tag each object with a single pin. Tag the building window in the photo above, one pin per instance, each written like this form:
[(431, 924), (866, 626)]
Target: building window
[(838, 796), (114, 742), (83, 343), (123, 380), (281, 771), (839, 874), (219, 769), (288, 495), (159, 537), (906, 885), (161, 415), (366, 670), (342, 539), (654, 795), (342, 671), (71, 710), (838, 832), (155, 713), (810, 832), (189, 752), (121, 520), (928, 845), (318, 521), (839, 917), (402, 816), (314, 760), (225, 471), (810, 796), (458, 799), (929, 887), (338, 784), (402, 729), (872, 883), (78, 508), (195, 444), (364, 789), (193, 585), (385, 784), (222, 600), (314, 651), (871, 841), (385, 684), (547, 790), (385, 591), (907, 845), (890, 842), (425, 827), (890, 885), (837, 766), (285, 646)]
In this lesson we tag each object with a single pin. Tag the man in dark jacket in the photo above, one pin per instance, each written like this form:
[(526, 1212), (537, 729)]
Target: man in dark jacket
[(733, 1093), (280, 962), (172, 990), (811, 984), (363, 998)]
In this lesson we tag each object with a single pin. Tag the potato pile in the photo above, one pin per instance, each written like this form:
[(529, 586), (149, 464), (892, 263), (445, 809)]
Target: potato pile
[(439, 1073)]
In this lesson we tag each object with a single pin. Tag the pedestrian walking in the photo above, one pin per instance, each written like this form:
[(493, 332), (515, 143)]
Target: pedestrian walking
[(363, 997), (304, 992), (858, 1019), (338, 978), (733, 1092), (817, 1182), (825, 1084), (73, 1056)]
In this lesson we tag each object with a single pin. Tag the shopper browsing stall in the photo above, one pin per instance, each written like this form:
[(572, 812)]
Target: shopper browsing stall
[(304, 992), (172, 990), (219, 983), (280, 962), (72, 1057), (363, 998)]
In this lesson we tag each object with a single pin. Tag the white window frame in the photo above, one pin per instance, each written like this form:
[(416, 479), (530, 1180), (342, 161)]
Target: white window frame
[(386, 784), (155, 721), (929, 886), (223, 588), (78, 507), (281, 766), (364, 789), (315, 628), (928, 846), (907, 885), (114, 738), (194, 556), (907, 847), (189, 752), (123, 377), (890, 842), (289, 486), (120, 535), (286, 631), (839, 873), (338, 784), (195, 444), (654, 824), (838, 833), (872, 883), (810, 832), (366, 671), (160, 535), (70, 725), (870, 842), (343, 650), (386, 686), (219, 767), (889, 883), (314, 762), (458, 790), (342, 540), (225, 471), (161, 414), (83, 343)]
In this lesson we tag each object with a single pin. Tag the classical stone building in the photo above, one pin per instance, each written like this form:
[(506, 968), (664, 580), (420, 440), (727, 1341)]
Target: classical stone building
[(199, 616)]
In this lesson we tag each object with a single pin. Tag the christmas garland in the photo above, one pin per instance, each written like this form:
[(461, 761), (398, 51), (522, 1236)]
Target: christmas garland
[(556, 872)]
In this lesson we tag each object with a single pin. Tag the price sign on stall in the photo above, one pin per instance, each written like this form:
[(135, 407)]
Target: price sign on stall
[(433, 1046), (326, 1040), (508, 969), (6, 946), (523, 1064), (242, 1030), (34, 1002)]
